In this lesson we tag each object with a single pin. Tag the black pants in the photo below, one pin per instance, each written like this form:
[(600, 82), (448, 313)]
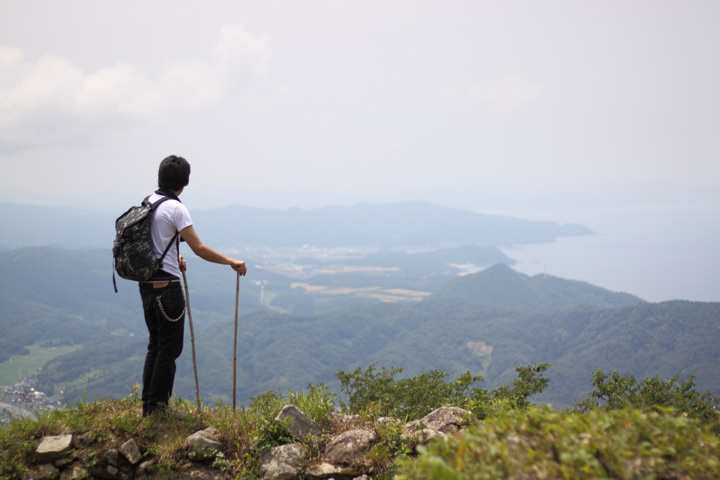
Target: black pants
[(166, 326)]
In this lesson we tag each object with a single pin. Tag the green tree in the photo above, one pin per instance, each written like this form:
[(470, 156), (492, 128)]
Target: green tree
[(613, 392), (529, 382), (377, 392)]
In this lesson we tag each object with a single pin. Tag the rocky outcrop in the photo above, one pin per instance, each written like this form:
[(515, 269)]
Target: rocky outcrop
[(149, 470), (43, 472), (446, 419), (324, 470), (112, 465), (131, 451), (54, 448), (350, 447), (300, 424), (203, 445), (283, 462), (345, 455), (59, 459)]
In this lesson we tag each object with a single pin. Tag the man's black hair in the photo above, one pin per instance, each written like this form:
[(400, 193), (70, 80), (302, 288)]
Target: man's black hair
[(174, 173)]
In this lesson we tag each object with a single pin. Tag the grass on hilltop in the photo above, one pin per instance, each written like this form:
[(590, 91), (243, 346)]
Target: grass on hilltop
[(507, 438)]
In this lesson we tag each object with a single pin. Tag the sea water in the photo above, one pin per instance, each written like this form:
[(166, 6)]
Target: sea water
[(658, 252)]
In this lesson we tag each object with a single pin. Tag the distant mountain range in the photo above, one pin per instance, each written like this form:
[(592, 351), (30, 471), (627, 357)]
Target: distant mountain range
[(407, 224)]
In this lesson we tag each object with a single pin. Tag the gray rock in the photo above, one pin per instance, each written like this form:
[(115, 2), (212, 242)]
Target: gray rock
[(111, 465), (84, 440), (446, 419), (76, 472), (283, 462), (350, 446), (327, 470), (203, 445), (131, 451), (198, 472), (387, 420), (300, 424), (54, 448), (212, 432), (148, 470), (343, 418), (43, 472), (62, 462), (423, 437)]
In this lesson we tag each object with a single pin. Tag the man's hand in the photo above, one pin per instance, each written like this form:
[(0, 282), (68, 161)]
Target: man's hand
[(182, 263), (239, 266)]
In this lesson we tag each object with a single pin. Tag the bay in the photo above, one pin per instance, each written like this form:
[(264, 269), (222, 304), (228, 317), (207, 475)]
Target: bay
[(657, 251)]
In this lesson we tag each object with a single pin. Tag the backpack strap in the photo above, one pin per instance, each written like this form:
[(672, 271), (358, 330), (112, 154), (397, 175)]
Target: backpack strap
[(114, 282), (166, 195), (167, 249), (157, 203)]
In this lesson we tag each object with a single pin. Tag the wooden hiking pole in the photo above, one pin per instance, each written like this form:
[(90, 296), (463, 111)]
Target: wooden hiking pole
[(237, 297), (192, 340)]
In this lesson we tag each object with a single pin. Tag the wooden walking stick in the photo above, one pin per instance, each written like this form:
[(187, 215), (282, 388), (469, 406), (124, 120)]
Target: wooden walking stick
[(237, 296), (192, 340)]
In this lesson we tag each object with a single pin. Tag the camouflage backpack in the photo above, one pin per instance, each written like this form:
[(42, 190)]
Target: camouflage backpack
[(133, 248)]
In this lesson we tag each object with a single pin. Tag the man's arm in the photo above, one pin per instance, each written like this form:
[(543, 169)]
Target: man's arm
[(206, 253)]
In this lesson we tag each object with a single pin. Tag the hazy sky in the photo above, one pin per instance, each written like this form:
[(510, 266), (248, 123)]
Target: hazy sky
[(495, 104), (605, 113)]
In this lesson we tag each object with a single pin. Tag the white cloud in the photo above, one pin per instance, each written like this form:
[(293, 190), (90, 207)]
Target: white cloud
[(52, 100), (120, 88), (51, 80), (238, 48)]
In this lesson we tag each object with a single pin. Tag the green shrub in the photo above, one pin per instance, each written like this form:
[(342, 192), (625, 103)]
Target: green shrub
[(317, 402), (393, 446), (377, 393), (528, 383), (368, 390), (543, 443), (613, 392), (267, 405)]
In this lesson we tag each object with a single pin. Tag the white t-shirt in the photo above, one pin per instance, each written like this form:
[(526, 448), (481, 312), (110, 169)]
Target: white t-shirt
[(170, 216)]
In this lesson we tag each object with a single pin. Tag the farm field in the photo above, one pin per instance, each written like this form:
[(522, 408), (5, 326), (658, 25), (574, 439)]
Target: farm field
[(22, 365)]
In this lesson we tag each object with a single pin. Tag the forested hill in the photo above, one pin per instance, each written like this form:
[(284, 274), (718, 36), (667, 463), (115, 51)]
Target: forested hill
[(279, 351), (502, 287), (487, 323), (363, 225), (63, 297)]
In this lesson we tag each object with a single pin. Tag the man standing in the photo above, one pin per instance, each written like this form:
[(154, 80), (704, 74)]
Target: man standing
[(162, 296)]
